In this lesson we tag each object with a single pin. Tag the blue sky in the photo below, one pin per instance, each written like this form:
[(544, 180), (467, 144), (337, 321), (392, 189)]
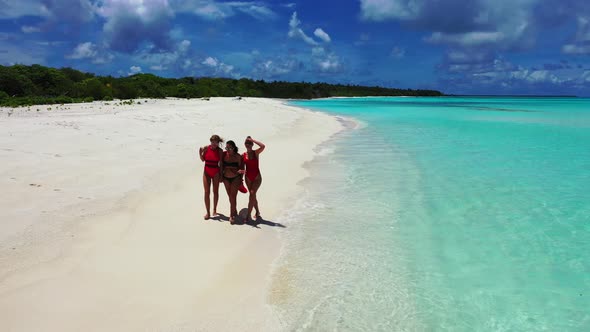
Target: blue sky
[(456, 46)]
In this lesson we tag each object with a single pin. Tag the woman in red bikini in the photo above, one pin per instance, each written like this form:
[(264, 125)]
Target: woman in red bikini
[(212, 155), (232, 177), (253, 176)]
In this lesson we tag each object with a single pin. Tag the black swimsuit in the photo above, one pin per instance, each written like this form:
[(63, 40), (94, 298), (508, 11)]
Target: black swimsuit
[(231, 164)]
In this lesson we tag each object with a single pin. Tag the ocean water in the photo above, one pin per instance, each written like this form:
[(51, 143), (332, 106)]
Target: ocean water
[(443, 214)]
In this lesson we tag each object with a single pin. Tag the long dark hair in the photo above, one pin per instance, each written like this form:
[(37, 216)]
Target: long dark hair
[(233, 145)]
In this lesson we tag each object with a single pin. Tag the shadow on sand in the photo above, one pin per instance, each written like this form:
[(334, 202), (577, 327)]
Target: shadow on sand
[(241, 220)]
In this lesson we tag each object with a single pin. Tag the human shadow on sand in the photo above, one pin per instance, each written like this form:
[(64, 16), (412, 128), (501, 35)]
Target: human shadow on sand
[(241, 220)]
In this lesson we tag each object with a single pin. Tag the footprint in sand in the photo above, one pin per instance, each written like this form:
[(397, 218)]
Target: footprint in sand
[(34, 185)]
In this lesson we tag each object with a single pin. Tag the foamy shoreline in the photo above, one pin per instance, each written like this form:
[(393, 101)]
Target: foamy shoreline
[(102, 226)]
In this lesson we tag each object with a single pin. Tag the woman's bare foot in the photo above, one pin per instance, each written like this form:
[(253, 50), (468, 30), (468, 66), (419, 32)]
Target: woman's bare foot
[(232, 220), (257, 215), (215, 214), (207, 216)]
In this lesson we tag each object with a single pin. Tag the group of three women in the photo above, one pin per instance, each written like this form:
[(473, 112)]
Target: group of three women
[(229, 166)]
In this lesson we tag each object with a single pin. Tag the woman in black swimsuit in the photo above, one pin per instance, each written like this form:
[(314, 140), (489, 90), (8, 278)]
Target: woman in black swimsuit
[(232, 179)]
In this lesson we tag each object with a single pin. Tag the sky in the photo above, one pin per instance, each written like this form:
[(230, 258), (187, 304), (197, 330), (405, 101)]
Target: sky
[(455, 46)]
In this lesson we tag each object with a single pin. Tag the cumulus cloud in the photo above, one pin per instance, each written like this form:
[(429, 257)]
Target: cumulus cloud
[(217, 68), (70, 11), (215, 10), (499, 75), (476, 33), (321, 34), (322, 59), (330, 64), (380, 10), (89, 50), (501, 23), (129, 23), (211, 62), (276, 67), (134, 70), (174, 59), (83, 51)]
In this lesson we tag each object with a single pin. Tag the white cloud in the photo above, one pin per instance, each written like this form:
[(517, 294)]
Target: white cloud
[(380, 10), (322, 59), (467, 39), (29, 29), (167, 59), (129, 23), (134, 70), (329, 64), (321, 34), (581, 42), (318, 51), (326, 62), (217, 67), (73, 12), (83, 51), (215, 10), (89, 50), (275, 68), (583, 33), (211, 62), (296, 32), (575, 49), (15, 9), (103, 58), (184, 45), (503, 24)]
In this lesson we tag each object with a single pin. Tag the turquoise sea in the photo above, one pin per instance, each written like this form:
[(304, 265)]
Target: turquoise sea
[(443, 214)]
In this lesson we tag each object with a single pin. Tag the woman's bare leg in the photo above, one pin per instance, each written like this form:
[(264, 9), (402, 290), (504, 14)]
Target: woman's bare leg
[(228, 190), (259, 182), (207, 186), (253, 188), (216, 180), (233, 198)]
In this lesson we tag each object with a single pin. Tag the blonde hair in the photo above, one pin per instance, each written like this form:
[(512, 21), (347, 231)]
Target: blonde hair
[(216, 138)]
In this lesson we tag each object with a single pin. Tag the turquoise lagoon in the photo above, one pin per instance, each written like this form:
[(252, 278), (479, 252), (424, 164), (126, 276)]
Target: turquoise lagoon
[(443, 214)]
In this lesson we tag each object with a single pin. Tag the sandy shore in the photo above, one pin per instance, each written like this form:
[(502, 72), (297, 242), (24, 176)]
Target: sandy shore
[(101, 224)]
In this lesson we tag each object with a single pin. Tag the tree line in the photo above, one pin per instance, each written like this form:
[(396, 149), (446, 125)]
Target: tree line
[(22, 85)]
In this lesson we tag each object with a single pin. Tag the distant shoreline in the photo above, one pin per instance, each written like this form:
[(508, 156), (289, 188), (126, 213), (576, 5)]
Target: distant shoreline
[(517, 96)]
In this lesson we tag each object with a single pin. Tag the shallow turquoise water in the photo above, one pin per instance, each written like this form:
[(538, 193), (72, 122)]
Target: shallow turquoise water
[(454, 214)]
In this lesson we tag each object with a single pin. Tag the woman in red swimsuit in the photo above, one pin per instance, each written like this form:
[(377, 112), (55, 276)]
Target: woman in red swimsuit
[(212, 155), (253, 176)]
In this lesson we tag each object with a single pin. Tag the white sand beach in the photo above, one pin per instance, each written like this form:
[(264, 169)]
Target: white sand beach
[(101, 217)]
